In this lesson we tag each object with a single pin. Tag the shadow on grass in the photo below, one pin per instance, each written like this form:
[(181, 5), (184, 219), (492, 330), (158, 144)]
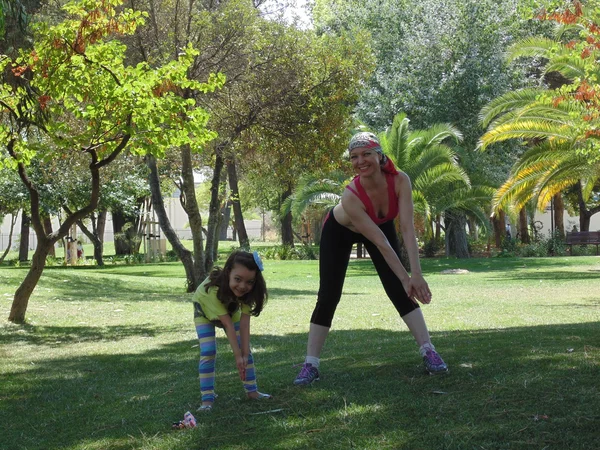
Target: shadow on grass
[(508, 388), (63, 336)]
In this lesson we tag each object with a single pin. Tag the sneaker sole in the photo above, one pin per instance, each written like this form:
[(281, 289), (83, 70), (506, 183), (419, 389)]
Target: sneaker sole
[(307, 384), (441, 372)]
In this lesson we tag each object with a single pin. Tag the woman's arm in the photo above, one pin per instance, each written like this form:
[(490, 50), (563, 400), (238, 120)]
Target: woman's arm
[(354, 208), (232, 337), (418, 285)]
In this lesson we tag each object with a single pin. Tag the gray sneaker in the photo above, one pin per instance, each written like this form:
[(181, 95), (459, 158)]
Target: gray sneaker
[(434, 364), (307, 375)]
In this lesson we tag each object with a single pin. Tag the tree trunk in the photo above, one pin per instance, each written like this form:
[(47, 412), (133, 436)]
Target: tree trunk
[(237, 207), (13, 221), (214, 208), (559, 214), (523, 228), (287, 231), (48, 230), (126, 234), (498, 222), (190, 206), (584, 214), (473, 231), (456, 236), (24, 239), (24, 291), (225, 222), (158, 204), (438, 228), (94, 238), (101, 225)]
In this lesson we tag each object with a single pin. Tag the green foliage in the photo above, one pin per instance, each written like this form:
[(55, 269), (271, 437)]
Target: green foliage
[(431, 248), (287, 252), (314, 191), (87, 97), (439, 183), (558, 121)]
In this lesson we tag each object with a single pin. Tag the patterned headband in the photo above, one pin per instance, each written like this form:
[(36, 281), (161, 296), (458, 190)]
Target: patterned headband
[(365, 139)]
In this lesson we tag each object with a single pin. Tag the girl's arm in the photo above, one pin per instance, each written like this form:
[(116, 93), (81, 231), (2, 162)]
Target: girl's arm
[(232, 337), (365, 226), (245, 335), (418, 285)]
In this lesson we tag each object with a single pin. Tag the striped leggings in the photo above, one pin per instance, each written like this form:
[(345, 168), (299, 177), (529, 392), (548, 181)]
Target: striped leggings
[(208, 353)]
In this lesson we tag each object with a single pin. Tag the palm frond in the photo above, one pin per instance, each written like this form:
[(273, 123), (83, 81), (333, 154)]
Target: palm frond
[(527, 129), (568, 65), (508, 102), (532, 47)]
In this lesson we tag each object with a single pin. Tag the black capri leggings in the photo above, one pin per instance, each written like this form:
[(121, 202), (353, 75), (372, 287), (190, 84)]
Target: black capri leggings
[(334, 255)]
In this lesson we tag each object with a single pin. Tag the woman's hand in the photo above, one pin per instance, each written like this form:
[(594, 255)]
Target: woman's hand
[(419, 289)]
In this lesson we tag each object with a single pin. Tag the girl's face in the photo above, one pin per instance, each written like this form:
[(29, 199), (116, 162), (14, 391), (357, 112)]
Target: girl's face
[(365, 160), (241, 280)]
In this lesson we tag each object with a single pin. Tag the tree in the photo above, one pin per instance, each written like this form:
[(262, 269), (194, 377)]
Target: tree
[(559, 122), (287, 95), (77, 91), (440, 185)]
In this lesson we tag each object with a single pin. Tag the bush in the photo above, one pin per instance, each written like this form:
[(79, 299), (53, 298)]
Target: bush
[(287, 252), (431, 248)]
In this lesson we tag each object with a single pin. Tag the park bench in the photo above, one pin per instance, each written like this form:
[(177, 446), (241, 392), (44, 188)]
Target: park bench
[(583, 238)]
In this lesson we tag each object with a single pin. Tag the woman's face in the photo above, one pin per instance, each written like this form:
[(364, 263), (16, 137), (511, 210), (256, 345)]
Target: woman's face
[(241, 280), (365, 161)]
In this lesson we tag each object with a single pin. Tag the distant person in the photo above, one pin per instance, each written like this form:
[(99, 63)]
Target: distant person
[(79, 250), (227, 299), (377, 195), (508, 233)]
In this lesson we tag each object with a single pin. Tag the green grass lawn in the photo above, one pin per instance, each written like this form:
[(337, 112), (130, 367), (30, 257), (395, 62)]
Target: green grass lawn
[(108, 360)]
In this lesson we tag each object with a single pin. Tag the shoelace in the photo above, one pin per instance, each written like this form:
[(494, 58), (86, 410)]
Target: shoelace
[(305, 372), (434, 358)]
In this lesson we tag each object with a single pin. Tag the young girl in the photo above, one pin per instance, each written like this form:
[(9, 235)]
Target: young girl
[(227, 299)]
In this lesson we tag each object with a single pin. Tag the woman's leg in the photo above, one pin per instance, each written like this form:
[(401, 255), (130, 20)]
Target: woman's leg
[(415, 322), (334, 256), (409, 311), (208, 353)]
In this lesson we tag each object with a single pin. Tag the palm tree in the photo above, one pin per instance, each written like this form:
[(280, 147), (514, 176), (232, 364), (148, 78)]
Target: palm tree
[(440, 186), (316, 191), (556, 125)]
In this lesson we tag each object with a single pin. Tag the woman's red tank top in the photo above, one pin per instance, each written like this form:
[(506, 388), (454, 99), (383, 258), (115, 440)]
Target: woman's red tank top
[(393, 199)]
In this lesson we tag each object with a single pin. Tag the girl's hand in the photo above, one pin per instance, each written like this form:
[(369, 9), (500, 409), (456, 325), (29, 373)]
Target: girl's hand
[(242, 362), (419, 289)]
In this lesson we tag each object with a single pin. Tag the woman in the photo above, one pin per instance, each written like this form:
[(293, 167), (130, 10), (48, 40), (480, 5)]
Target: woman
[(377, 195)]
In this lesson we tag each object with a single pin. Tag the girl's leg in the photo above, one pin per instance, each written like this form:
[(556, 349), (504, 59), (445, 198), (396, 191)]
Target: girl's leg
[(208, 352)]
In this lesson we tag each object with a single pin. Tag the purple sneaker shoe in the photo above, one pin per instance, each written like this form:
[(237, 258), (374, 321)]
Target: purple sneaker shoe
[(434, 364), (307, 375)]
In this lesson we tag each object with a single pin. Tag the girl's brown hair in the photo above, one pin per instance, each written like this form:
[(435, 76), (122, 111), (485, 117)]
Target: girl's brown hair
[(219, 278)]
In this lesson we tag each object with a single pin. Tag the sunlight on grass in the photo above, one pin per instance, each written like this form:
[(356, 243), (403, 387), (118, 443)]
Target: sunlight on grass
[(108, 360)]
